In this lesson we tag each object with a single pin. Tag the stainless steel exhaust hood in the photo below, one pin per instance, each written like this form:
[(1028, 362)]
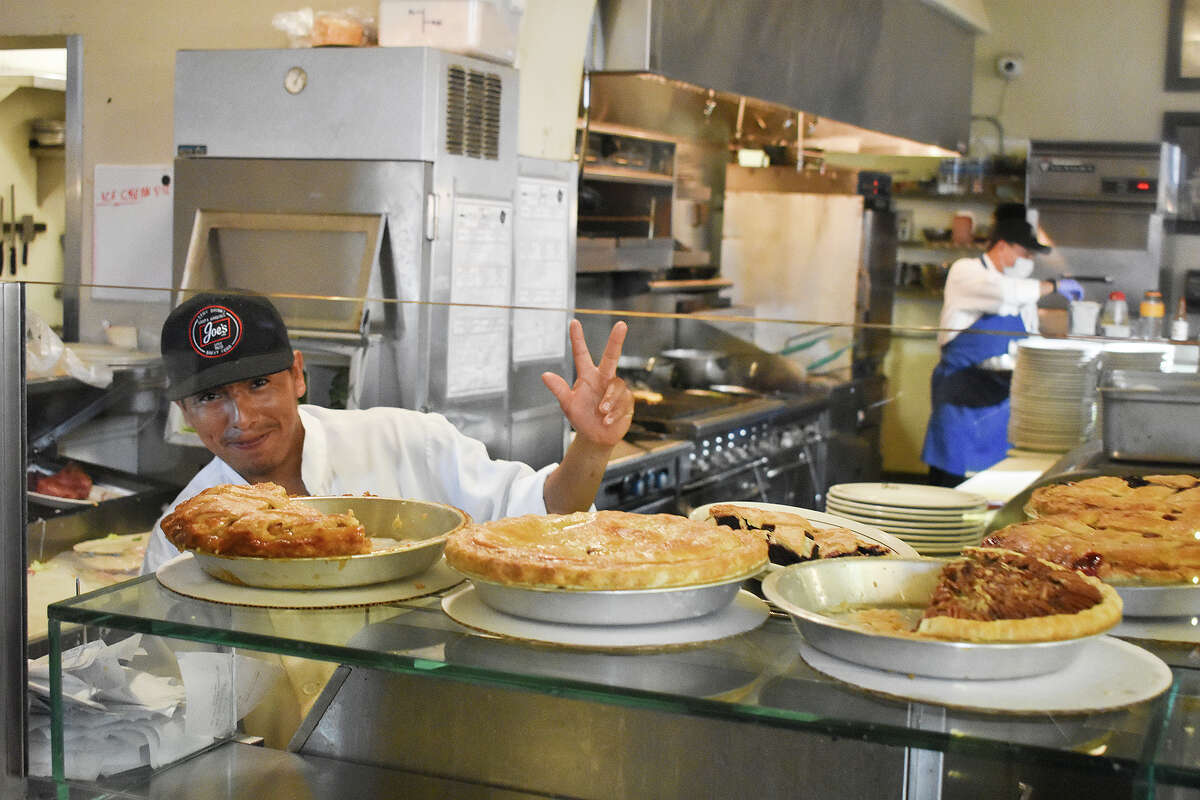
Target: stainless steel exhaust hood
[(899, 67)]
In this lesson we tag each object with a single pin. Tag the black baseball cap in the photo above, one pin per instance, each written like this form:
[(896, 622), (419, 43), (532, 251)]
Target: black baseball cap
[(1009, 211), (212, 339), (1018, 231)]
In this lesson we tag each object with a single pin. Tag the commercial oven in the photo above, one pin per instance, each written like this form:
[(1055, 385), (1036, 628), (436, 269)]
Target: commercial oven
[(386, 179), (1102, 205)]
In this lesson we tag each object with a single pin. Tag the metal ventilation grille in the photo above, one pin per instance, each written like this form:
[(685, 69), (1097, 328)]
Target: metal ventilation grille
[(473, 113)]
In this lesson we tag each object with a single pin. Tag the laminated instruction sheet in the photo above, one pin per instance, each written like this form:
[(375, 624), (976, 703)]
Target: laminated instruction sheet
[(481, 274)]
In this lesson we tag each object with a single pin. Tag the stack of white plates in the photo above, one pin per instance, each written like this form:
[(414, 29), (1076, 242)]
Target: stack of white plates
[(1053, 394), (1134, 357), (936, 521), (1138, 356)]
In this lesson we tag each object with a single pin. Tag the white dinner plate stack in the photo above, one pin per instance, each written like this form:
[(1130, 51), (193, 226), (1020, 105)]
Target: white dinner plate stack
[(1053, 394), (1133, 357), (1138, 356), (935, 520)]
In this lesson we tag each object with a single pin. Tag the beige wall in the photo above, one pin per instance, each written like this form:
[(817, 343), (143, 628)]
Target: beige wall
[(38, 187), (1093, 69)]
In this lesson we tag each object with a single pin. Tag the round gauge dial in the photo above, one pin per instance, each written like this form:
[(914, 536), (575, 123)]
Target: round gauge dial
[(295, 80)]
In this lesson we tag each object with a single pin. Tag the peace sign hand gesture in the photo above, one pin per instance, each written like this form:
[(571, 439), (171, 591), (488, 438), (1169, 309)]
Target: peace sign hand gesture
[(599, 405)]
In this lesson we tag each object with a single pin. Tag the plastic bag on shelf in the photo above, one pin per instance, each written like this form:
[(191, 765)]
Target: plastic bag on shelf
[(46, 356), (347, 27)]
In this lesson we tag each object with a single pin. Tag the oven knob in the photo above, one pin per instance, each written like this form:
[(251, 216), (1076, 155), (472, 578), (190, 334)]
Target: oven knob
[(701, 464)]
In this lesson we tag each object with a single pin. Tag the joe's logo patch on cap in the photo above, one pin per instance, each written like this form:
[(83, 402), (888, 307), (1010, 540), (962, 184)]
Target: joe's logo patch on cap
[(215, 331)]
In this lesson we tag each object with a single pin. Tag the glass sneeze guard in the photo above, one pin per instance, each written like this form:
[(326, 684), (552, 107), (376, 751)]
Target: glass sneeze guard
[(756, 678)]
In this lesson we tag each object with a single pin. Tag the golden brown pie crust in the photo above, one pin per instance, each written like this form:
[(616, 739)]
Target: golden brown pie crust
[(261, 521), (603, 550), (1137, 530), (1110, 492), (995, 595)]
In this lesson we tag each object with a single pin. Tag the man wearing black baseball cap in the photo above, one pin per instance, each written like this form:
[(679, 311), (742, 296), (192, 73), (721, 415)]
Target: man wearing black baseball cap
[(988, 302), (237, 381)]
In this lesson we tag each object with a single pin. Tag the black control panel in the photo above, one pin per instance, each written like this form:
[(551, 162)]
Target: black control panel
[(744, 445), (639, 481), (1129, 187)]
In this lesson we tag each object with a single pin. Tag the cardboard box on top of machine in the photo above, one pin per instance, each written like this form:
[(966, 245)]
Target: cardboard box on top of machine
[(482, 28)]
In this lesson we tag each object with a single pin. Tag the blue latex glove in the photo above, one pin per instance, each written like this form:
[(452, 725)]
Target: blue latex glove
[(1069, 288)]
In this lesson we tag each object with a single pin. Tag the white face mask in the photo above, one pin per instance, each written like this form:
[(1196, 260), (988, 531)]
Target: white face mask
[(1021, 268)]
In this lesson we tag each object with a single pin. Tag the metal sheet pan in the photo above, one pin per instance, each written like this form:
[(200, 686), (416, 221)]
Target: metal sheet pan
[(418, 528), (618, 607), (813, 590), (1174, 600), (1151, 416)]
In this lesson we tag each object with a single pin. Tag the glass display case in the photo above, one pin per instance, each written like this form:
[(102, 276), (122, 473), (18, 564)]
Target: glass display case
[(754, 687), (416, 690)]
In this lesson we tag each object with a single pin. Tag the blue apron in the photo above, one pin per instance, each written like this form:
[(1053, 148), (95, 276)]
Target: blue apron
[(968, 427)]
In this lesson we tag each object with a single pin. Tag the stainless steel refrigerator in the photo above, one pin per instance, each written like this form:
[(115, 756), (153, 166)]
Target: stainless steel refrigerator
[(389, 174)]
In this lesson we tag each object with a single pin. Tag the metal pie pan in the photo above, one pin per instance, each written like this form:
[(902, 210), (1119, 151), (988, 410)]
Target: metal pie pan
[(1174, 600), (616, 607), (419, 529), (811, 590)]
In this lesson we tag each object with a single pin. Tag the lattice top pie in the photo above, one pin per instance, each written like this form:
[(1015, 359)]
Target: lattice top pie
[(1148, 492), (604, 550), (1137, 530)]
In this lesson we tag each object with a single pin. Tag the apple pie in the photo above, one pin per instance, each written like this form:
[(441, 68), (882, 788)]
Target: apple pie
[(604, 550), (262, 521)]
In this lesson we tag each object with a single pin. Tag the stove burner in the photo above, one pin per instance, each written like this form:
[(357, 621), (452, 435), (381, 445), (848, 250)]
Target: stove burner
[(681, 405)]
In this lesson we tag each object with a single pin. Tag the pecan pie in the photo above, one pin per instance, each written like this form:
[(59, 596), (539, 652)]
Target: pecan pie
[(603, 550), (996, 595)]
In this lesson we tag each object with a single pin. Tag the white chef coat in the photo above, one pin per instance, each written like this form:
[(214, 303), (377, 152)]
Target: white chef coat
[(973, 290), (391, 452)]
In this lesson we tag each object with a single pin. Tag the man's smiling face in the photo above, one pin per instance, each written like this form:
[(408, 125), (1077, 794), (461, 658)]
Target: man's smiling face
[(252, 425)]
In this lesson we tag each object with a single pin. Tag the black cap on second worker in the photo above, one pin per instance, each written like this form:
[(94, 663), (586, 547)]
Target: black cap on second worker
[(1018, 231), (213, 339)]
